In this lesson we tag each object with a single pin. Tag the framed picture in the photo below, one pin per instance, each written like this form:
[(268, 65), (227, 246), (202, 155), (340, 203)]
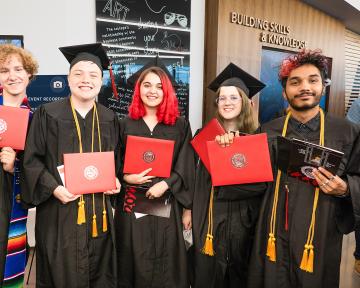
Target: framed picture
[(17, 40)]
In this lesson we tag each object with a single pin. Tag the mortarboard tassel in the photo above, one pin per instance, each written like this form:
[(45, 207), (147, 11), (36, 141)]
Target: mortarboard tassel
[(113, 85), (105, 227), (81, 211), (208, 248)]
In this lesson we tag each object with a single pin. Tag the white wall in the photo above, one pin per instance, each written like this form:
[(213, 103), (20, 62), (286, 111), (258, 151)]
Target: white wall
[(48, 24)]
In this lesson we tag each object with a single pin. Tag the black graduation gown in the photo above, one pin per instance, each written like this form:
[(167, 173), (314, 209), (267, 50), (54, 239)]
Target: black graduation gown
[(151, 249), (66, 254), (235, 212), (334, 216), (5, 210)]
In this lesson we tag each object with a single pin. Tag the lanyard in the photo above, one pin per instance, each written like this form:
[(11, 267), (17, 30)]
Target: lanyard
[(95, 115)]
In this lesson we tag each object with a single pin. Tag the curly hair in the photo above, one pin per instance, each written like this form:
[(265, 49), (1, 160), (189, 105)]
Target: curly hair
[(246, 121), (28, 61), (168, 110), (305, 56)]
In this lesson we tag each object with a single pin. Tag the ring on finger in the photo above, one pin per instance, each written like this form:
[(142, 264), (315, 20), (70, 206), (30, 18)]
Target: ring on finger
[(326, 182)]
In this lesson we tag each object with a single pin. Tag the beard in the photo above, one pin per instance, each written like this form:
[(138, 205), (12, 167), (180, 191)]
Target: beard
[(303, 107)]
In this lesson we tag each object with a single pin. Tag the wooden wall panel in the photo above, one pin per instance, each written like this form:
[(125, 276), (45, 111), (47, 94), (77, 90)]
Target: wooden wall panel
[(241, 45)]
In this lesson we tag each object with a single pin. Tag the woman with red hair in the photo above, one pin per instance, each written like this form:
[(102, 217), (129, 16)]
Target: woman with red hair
[(151, 249)]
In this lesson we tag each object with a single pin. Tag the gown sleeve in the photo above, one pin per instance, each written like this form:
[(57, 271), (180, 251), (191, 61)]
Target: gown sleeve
[(182, 177), (38, 181)]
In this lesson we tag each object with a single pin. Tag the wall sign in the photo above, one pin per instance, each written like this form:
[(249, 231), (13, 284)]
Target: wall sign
[(274, 33)]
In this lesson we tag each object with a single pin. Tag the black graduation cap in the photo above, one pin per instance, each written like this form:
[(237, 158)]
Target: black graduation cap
[(153, 62), (232, 75), (94, 52)]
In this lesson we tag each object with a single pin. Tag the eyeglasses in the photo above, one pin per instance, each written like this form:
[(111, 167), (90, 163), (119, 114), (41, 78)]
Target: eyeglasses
[(233, 99), (170, 17)]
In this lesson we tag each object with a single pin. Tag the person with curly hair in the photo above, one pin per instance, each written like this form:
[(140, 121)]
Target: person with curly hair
[(17, 69), (151, 250), (299, 235)]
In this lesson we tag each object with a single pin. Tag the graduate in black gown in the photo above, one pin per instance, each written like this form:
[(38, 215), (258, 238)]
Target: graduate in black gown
[(69, 254), (235, 207), (151, 249), (298, 240), (17, 69)]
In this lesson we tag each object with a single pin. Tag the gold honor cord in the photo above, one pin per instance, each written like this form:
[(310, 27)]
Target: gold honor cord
[(307, 261), (81, 210)]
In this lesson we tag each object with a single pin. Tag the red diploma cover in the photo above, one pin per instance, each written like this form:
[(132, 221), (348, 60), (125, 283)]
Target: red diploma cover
[(89, 172), (247, 160), (208, 133), (13, 127), (143, 153)]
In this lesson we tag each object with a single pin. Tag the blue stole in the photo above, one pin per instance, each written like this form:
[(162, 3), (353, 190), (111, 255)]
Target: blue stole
[(15, 261)]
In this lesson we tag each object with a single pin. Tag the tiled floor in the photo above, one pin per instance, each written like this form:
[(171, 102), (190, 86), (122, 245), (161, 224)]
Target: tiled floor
[(348, 278)]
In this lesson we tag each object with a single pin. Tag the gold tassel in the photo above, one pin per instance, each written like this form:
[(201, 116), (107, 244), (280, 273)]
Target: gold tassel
[(94, 227), (105, 228), (305, 257), (268, 252), (310, 262), (271, 250), (81, 211), (208, 248)]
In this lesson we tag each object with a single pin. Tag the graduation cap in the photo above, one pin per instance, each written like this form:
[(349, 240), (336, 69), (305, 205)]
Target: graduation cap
[(93, 52), (153, 62), (232, 75)]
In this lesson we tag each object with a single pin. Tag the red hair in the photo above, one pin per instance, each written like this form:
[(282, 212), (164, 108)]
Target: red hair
[(168, 110), (313, 57)]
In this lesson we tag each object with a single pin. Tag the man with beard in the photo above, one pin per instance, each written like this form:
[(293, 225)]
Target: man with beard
[(300, 230)]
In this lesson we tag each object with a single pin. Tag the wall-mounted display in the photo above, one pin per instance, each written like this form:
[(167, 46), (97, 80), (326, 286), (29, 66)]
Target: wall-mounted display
[(133, 32)]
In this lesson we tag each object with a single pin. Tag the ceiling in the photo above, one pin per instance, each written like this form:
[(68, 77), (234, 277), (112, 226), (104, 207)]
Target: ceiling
[(342, 10)]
